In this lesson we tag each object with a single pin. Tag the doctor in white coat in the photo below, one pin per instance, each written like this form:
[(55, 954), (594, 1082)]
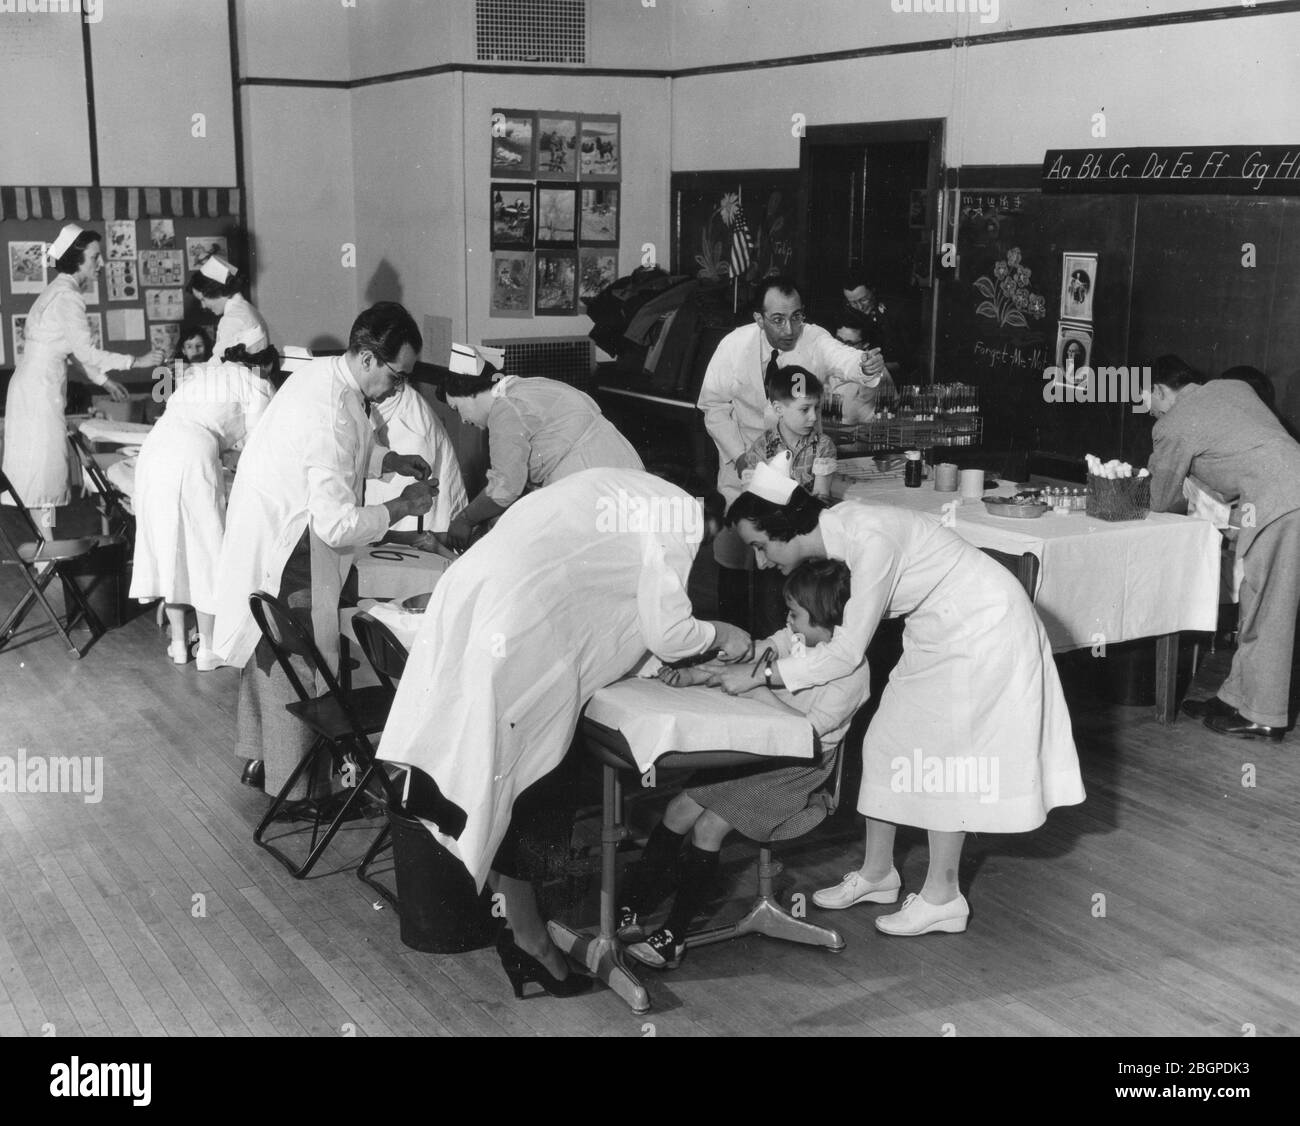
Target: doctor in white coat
[(972, 733), (576, 582), (216, 286), (296, 514), (36, 435)]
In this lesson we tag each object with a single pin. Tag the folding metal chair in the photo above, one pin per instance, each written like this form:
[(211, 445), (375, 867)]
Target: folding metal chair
[(387, 656), (40, 561), (341, 721), (1024, 567), (113, 504)]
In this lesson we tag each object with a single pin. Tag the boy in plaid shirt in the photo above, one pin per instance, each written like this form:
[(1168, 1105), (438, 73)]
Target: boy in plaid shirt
[(795, 395)]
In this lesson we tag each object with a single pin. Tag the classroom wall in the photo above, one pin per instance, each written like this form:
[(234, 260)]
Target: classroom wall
[(44, 131), (298, 164), (295, 39)]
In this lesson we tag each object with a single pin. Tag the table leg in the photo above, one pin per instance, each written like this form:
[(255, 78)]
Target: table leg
[(1167, 677), (601, 952)]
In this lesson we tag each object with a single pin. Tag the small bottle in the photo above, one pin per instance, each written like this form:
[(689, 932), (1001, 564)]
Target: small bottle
[(912, 470)]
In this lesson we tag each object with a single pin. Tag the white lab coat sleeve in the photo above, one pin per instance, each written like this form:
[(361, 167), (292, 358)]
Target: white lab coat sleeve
[(872, 578), (70, 310), (716, 395), (336, 517), (668, 626), (843, 362), (375, 466), (451, 485), (509, 446)]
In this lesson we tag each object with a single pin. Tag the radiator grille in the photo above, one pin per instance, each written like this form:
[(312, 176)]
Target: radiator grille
[(531, 31), (566, 358)]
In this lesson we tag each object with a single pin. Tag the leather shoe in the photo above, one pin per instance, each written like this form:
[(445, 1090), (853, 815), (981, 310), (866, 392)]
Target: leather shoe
[(854, 889), (1200, 709), (1238, 725), (254, 773), (921, 917)]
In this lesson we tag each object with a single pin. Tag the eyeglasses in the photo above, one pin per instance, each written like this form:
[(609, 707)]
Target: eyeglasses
[(399, 377), (780, 320)]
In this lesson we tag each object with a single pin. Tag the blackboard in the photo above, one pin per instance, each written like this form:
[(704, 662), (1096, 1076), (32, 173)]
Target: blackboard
[(1172, 276)]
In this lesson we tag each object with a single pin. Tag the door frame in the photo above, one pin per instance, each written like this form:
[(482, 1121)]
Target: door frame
[(931, 130)]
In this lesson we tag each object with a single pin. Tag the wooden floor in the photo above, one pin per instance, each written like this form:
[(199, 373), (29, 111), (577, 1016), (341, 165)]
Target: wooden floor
[(152, 912)]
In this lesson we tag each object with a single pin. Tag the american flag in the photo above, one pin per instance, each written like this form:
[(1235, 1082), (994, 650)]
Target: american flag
[(739, 241)]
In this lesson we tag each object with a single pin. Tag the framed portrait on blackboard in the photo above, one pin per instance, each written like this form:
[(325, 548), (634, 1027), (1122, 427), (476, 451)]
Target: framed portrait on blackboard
[(512, 217), (598, 223), (557, 283), (601, 151), (556, 148), (1073, 354), (512, 142), (597, 271), (512, 284), (557, 215), (1078, 283)]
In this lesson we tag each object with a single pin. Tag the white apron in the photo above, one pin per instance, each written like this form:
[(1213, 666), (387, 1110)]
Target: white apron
[(303, 468), (36, 436), (972, 733), (180, 497), (563, 598)]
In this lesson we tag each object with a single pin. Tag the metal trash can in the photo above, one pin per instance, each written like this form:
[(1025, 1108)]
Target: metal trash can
[(441, 911)]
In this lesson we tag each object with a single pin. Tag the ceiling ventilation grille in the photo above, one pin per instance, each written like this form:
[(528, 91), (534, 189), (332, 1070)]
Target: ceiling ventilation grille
[(531, 31)]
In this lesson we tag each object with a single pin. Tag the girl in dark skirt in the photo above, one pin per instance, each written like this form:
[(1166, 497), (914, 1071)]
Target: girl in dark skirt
[(767, 805)]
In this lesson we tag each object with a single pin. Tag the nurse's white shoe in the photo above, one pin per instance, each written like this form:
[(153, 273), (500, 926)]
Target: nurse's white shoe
[(179, 653), (854, 889), (206, 660), (920, 917)]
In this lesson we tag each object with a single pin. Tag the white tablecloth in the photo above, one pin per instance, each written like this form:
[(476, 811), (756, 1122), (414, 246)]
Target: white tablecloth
[(109, 430), (656, 719), (394, 571), (1098, 581), (405, 624)]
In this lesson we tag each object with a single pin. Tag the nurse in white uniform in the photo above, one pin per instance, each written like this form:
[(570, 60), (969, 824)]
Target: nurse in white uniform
[(36, 435), (972, 733), (539, 431), (180, 494), (295, 517), (216, 286), (565, 596)]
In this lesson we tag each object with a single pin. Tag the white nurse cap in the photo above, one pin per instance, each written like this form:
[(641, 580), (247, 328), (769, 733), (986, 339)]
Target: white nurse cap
[(218, 269), (61, 245), (293, 357), (772, 480), (466, 359)]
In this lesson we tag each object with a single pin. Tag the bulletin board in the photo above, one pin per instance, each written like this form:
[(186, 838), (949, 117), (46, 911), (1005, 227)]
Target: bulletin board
[(556, 201), (149, 253)]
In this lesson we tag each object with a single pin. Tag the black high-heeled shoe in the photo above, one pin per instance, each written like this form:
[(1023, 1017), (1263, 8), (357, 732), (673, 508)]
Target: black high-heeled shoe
[(521, 968)]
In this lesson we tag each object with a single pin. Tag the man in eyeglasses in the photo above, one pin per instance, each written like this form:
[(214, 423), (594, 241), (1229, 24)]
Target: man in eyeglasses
[(881, 324), (736, 410)]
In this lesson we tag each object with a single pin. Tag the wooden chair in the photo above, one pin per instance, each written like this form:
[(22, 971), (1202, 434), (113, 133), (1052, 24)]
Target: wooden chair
[(341, 721), (40, 561), (1024, 567), (387, 657)]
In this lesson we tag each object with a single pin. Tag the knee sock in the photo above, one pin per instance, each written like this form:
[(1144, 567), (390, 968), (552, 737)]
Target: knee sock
[(694, 886), (651, 879)]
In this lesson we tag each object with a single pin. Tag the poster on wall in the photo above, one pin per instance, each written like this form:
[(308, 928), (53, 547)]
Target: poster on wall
[(26, 268), (164, 304), (162, 267), (557, 283), (19, 321), (125, 324), (556, 153), (597, 270), (601, 152), (1078, 281), (91, 291), (512, 284), (557, 215), (199, 250), (512, 217), (599, 220), (512, 142), (121, 239), (162, 234), (165, 338), (123, 281)]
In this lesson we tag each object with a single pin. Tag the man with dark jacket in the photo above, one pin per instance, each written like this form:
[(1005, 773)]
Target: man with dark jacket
[(1224, 436)]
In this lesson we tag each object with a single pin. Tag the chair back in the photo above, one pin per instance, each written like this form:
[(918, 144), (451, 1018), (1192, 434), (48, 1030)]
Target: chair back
[(24, 514), (288, 638), (387, 655), (1024, 567)]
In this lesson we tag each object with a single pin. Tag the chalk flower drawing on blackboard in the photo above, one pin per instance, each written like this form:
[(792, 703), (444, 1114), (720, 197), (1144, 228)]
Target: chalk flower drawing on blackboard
[(1008, 298)]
